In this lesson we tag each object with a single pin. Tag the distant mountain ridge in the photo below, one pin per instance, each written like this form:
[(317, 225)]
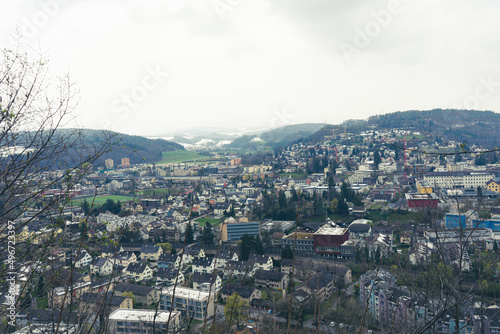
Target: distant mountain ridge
[(136, 148), (465, 126), (276, 137)]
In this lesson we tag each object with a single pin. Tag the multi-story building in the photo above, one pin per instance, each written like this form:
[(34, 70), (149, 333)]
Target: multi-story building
[(424, 187), (462, 180), (458, 235), (232, 230), (143, 321), (328, 239), (493, 185), (190, 303), (422, 200), (303, 241)]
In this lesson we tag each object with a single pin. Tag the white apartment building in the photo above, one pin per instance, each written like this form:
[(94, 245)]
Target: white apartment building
[(464, 180), (190, 303), (141, 321)]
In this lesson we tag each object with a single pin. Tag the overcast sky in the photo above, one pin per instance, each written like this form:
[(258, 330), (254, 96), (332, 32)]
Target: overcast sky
[(152, 67)]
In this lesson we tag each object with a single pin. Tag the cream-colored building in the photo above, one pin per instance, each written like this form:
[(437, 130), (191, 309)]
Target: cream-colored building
[(142, 321), (190, 303)]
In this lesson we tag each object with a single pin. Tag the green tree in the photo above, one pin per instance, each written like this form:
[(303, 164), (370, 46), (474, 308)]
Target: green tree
[(207, 234), (85, 207), (287, 252), (376, 159), (189, 234), (236, 309), (165, 246)]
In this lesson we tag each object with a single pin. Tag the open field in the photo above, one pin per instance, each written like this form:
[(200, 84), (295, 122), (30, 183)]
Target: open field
[(99, 200), (203, 220), (180, 156)]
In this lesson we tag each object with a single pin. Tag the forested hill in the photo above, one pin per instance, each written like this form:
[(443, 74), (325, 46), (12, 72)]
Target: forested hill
[(138, 149), (471, 126)]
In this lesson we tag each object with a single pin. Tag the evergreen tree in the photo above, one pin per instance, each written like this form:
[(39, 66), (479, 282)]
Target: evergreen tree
[(376, 159), (85, 207), (189, 234), (287, 252)]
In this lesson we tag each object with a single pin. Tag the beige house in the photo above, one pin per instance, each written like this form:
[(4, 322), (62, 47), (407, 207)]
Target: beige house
[(150, 252), (139, 271), (143, 295), (101, 266), (270, 279)]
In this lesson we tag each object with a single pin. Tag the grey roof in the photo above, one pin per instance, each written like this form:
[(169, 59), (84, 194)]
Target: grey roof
[(319, 280), (242, 290), (150, 249), (136, 268), (97, 298), (99, 261), (136, 289), (168, 258), (269, 275), (203, 277), (202, 261), (167, 273), (124, 255)]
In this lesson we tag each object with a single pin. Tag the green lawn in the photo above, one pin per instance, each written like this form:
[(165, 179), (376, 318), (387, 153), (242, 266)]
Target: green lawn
[(42, 302), (180, 156), (203, 220), (99, 200), (293, 175)]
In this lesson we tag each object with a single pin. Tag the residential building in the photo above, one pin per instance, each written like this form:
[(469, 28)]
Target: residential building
[(320, 285), (247, 293), (493, 185), (126, 258), (104, 303), (168, 276), (139, 272), (82, 259), (124, 321), (144, 295), (461, 180), (151, 252), (203, 281), (203, 265), (270, 279), (190, 303), (101, 266)]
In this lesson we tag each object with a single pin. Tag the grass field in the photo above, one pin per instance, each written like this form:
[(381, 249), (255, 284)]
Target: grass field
[(99, 200), (293, 175), (180, 156), (203, 220)]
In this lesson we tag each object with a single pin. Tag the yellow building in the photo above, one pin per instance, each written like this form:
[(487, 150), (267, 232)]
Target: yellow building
[(424, 187), (493, 185)]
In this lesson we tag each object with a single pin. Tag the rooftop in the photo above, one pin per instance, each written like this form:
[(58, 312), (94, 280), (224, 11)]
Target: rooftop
[(186, 293), (142, 315), (331, 230), (300, 235)]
